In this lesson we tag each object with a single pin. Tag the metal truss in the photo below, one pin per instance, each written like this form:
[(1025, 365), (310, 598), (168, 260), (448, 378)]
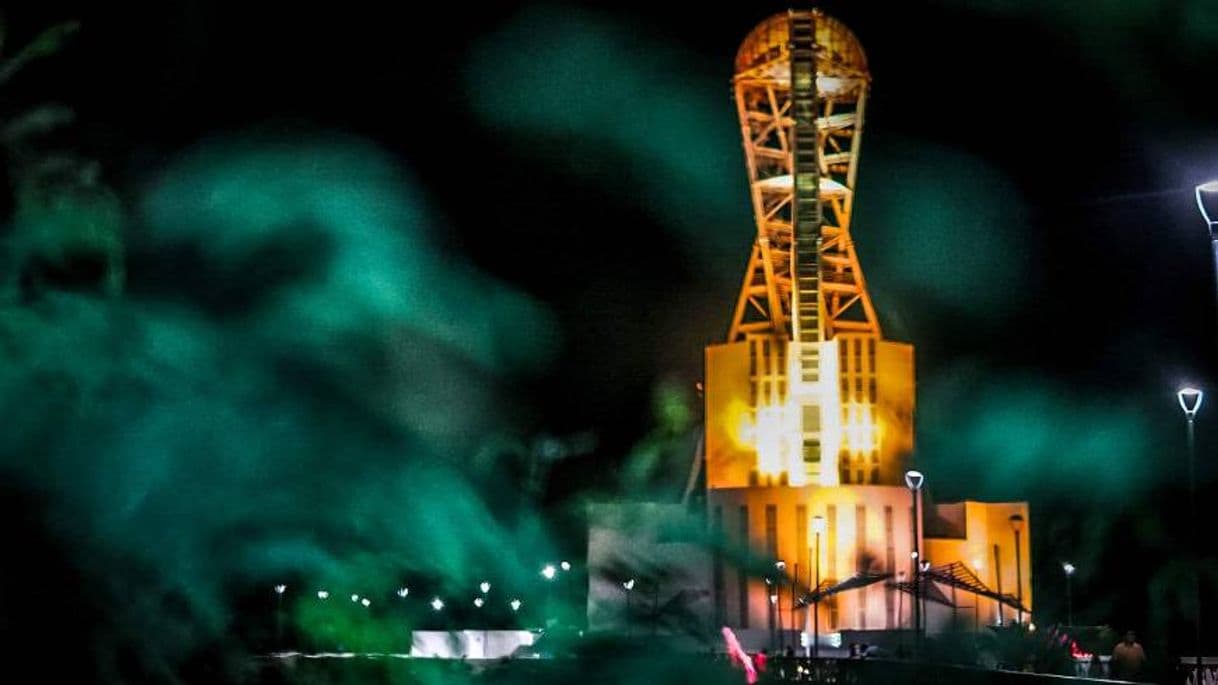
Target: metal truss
[(768, 110)]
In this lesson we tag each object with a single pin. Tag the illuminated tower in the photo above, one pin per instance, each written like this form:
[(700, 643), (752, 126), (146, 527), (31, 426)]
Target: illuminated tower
[(809, 411), (805, 390)]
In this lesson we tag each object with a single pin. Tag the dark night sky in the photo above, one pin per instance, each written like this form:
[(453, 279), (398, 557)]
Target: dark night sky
[(1032, 99), (1098, 124)]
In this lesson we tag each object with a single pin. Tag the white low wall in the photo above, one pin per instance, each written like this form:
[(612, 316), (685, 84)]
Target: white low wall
[(468, 644)]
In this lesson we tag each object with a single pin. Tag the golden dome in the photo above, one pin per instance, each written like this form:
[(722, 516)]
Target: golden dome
[(766, 48)]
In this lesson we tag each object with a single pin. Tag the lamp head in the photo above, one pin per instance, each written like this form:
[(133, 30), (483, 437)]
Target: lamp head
[(478, 602), (914, 480), (1068, 568), (322, 594), (280, 589), (818, 524), (485, 587), (437, 603), (1190, 400), (515, 604), (549, 571), (629, 584), (1207, 202), (403, 592), (1016, 522)]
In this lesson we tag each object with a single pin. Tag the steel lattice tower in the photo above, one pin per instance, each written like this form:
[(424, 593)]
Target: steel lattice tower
[(802, 134), (824, 399)]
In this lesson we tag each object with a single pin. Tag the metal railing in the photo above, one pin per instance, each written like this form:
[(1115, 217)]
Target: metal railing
[(894, 672)]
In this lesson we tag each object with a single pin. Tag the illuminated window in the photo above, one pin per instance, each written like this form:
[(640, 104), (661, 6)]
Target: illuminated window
[(742, 578), (831, 543), (771, 551), (801, 535), (890, 564), (720, 603), (812, 451)]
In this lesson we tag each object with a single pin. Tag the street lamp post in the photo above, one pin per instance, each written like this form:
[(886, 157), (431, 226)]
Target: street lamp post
[(923, 567), (1207, 201), (914, 481), (1190, 401), (1017, 526), (818, 527), (628, 585), (900, 599), (1069, 569), (279, 590), (781, 567)]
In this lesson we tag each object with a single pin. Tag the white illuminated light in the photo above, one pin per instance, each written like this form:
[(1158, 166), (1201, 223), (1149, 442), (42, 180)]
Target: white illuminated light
[(478, 602), (485, 587), (354, 598), (549, 571), (566, 566), (280, 589), (1211, 189), (1190, 401), (978, 564), (403, 592), (515, 604), (780, 565), (437, 604), (818, 524), (629, 585), (773, 599), (1068, 568), (366, 602), (322, 594), (914, 480)]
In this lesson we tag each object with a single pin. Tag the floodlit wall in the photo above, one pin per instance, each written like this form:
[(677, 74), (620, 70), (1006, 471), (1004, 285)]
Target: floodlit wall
[(866, 528), (988, 549)]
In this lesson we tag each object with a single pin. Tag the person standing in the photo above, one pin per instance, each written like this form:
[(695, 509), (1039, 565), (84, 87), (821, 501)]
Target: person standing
[(1128, 658)]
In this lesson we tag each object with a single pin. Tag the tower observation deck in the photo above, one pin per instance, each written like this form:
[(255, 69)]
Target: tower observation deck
[(805, 390)]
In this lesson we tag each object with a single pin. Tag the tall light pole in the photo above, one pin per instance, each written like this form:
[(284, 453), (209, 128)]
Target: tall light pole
[(1190, 401), (923, 567), (900, 599), (914, 481), (1207, 202), (818, 527), (1069, 569), (279, 590), (781, 567), (1017, 526), (628, 586)]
